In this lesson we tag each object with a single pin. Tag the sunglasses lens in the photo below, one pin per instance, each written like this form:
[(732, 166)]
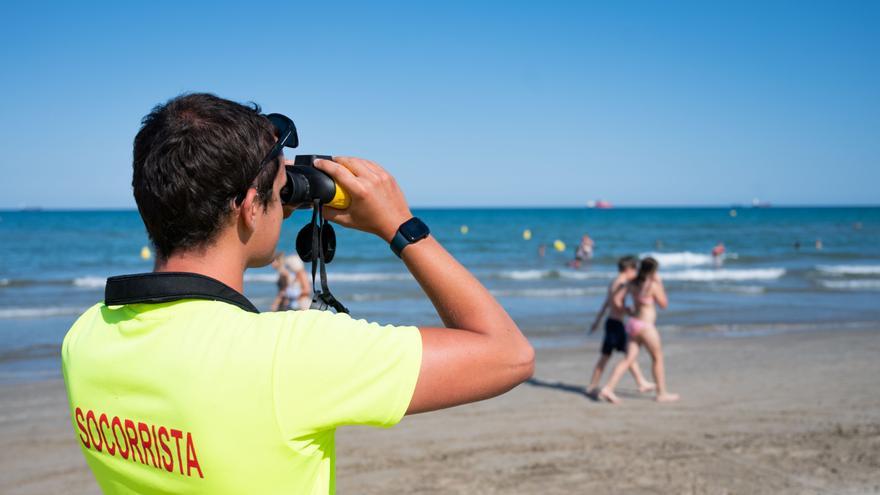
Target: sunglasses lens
[(286, 130)]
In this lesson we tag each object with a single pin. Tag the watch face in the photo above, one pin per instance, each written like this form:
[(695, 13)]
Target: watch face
[(414, 229)]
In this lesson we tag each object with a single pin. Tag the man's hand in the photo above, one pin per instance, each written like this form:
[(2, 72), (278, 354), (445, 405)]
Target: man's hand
[(594, 327), (377, 203)]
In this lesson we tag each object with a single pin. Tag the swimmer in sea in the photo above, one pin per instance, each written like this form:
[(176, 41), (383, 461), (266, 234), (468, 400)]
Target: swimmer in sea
[(615, 334), (646, 291), (718, 252), (584, 251)]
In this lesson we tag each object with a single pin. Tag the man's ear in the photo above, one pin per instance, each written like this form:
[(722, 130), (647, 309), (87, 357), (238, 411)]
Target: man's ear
[(250, 209)]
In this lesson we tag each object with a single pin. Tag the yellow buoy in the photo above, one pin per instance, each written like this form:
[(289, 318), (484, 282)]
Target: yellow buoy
[(464, 229), (145, 253), (733, 213), (559, 245), (527, 234)]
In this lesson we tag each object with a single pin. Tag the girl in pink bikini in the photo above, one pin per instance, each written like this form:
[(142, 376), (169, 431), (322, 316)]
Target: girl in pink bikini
[(647, 292)]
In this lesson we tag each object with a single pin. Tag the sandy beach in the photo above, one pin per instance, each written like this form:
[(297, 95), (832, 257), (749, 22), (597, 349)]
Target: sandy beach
[(796, 413)]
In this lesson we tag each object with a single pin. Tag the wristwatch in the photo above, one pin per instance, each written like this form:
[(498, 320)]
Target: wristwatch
[(409, 232)]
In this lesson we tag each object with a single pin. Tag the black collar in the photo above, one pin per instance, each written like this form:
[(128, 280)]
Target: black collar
[(170, 286)]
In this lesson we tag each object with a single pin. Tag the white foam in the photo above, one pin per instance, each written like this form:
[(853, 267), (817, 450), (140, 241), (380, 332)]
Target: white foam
[(850, 284), (90, 282), (695, 275), (524, 274), (739, 289), (582, 275), (38, 312), (366, 277), (542, 274), (557, 292), (849, 269), (683, 258), (334, 277)]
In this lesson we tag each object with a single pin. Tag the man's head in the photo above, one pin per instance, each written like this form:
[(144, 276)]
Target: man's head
[(192, 156), (627, 266)]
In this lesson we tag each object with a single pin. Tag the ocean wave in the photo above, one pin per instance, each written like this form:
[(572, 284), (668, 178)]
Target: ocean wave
[(335, 277), (552, 274), (90, 282), (556, 292), (739, 289), (850, 284), (849, 269), (683, 258), (9, 313), (725, 274)]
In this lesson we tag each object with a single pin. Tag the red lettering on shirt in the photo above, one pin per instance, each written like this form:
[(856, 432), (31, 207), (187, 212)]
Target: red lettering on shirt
[(163, 432), (177, 434), (132, 434), (84, 436), (111, 449), (116, 424), (142, 440), (147, 442), (90, 420), (191, 460)]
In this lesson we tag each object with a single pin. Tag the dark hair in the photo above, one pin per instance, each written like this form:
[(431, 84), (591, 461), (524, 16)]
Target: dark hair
[(192, 156), (646, 268), (627, 262)]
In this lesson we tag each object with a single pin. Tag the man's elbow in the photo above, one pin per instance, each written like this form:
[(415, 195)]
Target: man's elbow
[(525, 362)]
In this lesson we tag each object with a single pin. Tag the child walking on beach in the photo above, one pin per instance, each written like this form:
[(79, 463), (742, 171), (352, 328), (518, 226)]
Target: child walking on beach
[(647, 292), (615, 334)]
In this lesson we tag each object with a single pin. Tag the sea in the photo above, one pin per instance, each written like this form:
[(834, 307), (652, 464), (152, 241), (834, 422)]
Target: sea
[(785, 270)]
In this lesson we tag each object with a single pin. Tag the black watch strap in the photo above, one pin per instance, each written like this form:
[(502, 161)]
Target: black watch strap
[(409, 232)]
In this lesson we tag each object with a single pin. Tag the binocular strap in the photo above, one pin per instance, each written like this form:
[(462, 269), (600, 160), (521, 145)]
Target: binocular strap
[(322, 298)]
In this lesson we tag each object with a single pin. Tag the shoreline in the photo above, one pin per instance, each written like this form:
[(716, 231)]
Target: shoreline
[(792, 413)]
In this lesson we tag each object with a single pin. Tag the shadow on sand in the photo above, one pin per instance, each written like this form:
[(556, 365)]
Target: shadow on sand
[(564, 387), (581, 389)]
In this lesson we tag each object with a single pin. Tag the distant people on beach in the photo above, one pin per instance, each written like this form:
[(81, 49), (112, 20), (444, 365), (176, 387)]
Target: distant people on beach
[(646, 291), (584, 251), (292, 283), (615, 333), (718, 253)]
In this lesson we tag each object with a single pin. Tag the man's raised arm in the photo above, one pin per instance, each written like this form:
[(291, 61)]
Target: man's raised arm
[(482, 353)]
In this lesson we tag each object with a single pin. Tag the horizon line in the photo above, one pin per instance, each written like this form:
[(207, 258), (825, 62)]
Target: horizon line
[(35, 209)]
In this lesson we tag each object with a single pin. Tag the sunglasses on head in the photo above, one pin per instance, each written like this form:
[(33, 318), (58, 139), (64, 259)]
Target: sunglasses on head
[(287, 137)]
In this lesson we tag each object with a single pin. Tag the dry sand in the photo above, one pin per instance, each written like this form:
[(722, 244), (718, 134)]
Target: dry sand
[(797, 413)]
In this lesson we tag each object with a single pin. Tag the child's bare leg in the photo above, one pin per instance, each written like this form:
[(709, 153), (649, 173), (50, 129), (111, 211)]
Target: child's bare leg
[(597, 372), (643, 384), (607, 392), (651, 339)]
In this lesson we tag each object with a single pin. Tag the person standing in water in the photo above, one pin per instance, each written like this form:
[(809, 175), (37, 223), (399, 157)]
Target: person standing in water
[(300, 292), (615, 334), (647, 292), (718, 253), (293, 285), (584, 251)]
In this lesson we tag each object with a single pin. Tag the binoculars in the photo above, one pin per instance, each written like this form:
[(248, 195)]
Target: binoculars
[(305, 184)]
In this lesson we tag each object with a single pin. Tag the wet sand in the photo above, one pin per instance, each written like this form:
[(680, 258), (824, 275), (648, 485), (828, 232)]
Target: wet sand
[(797, 413)]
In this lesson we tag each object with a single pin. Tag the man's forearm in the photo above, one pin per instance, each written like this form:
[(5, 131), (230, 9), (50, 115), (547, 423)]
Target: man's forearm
[(459, 298)]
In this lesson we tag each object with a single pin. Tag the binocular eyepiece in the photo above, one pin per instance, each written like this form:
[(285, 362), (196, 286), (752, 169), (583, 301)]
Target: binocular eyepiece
[(305, 184)]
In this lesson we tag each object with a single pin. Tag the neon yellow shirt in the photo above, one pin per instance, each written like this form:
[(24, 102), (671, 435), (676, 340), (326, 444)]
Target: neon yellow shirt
[(198, 396)]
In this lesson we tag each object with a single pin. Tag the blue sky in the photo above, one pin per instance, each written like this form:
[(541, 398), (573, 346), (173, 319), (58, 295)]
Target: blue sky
[(504, 103)]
